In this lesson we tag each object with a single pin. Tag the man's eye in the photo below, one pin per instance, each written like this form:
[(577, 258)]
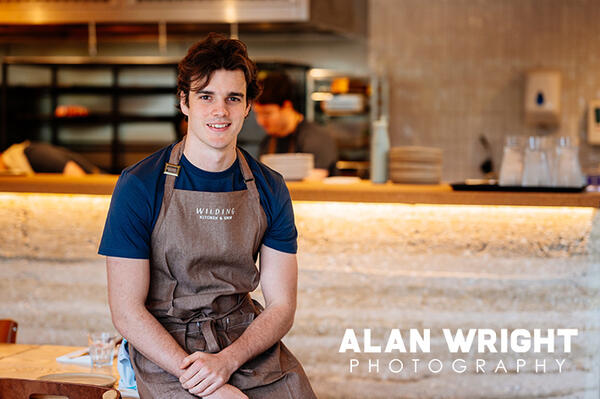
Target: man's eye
[(234, 99), (204, 97)]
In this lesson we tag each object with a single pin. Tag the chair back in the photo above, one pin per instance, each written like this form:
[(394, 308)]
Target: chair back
[(26, 389), (8, 331)]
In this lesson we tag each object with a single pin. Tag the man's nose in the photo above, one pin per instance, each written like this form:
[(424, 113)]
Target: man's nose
[(220, 109)]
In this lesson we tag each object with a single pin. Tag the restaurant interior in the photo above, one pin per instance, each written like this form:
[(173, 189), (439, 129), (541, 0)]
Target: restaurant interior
[(465, 193)]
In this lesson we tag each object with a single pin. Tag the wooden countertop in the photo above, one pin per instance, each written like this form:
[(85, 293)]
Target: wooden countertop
[(363, 191), (54, 183)]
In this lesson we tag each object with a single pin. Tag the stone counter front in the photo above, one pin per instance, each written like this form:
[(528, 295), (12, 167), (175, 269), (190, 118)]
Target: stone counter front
[(362, 266)]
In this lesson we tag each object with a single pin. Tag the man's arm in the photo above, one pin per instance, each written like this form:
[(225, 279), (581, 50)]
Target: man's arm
[(278, 278), (128, 283)]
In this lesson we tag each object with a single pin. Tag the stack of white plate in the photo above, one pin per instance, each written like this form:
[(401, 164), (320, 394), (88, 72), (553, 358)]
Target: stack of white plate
[(415, 165), (294, 166)]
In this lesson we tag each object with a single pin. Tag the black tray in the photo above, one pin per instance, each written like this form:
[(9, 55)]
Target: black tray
[(518, 189)]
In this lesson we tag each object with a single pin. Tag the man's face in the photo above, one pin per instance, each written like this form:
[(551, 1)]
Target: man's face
[(278, 121), (216, 113)]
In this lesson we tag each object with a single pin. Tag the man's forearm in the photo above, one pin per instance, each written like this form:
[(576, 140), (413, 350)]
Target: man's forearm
[(268, 328), (150, 338)]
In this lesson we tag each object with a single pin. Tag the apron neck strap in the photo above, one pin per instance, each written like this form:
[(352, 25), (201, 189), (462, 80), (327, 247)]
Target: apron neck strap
[(247, 174), (172, 169)]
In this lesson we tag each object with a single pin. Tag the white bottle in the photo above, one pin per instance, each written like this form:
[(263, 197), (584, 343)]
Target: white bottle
[(380, 147)]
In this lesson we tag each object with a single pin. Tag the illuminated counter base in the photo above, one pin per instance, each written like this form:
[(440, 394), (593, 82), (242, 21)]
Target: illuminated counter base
[(377, 266)]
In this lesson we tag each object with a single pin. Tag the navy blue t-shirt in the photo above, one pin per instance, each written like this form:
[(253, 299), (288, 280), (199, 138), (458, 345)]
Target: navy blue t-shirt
[(138, 196)]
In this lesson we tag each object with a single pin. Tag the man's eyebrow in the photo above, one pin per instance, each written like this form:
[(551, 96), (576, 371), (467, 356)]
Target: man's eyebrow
[(232, 93)]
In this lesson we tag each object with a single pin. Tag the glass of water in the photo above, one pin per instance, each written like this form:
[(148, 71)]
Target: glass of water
[(102, 348), (536, 168), (511, 170), (567, 169)]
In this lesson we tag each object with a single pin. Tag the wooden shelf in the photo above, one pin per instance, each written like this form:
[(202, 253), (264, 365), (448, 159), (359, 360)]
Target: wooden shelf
[(364, 191)]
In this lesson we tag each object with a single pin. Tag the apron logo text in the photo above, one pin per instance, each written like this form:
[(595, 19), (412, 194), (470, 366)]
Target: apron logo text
[(215, 213)]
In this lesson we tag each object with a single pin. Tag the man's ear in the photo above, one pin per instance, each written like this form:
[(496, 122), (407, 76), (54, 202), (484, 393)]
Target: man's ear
[(287, 104), (248, 108), (184, 108)]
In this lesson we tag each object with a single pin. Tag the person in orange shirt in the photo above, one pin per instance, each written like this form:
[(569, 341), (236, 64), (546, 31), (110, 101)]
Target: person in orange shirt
[(287, 130)]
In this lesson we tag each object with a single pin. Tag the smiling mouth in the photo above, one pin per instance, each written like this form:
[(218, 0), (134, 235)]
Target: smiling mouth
[(218, 125)]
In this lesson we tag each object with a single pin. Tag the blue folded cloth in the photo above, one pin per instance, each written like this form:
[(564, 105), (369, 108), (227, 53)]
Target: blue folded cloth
[(124, 367)]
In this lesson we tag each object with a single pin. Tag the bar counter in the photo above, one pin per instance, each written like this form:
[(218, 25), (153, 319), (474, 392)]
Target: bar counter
[(363, 191), (375, 257)]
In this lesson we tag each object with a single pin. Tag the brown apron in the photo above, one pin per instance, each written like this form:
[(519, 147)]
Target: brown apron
[(272, 147), (202, 269)]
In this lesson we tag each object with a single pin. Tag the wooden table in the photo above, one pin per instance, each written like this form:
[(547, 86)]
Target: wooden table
[(34, 361)]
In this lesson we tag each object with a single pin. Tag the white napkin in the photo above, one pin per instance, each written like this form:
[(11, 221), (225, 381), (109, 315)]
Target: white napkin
[(76, 358), (129, 393)]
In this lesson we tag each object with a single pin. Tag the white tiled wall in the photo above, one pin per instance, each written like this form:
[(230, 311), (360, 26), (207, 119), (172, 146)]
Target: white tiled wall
[(457, 68)]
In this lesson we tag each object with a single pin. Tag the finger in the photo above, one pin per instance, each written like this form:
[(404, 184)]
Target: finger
[(188, 360), (201, 387), (208, 389), (217, 382), (195, 379), (192, 370)]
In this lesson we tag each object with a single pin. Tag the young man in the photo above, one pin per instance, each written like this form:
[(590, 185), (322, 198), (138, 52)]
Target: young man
[(286, 129), (182, 236)]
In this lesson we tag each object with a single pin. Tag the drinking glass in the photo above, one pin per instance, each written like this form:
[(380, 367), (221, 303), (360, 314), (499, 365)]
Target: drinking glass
[(536, 170), (102, 348), (511, 170), (567, 169)]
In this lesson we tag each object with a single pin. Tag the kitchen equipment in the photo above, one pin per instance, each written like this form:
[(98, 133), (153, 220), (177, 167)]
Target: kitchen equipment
[(465, 186), (295, 166), (487, 166), (536, 169), (380, 146), (593, 131), (415, 165), (567, 170), (511, 170), (341, 104)]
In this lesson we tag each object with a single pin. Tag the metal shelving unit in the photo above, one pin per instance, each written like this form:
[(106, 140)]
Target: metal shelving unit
[(31, 119), (351, 128)]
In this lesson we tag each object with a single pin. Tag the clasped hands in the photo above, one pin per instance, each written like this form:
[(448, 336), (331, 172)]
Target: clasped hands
[(206, 375)]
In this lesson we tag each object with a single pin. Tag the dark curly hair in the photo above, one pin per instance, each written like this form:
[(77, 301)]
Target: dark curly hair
[(215, 52), (277, 88)]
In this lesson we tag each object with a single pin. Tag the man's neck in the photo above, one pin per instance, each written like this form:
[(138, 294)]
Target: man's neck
[(207, 158)]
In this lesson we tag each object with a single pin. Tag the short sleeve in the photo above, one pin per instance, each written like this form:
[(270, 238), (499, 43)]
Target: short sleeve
[(128, 224), (318, 141), (281, 233)]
